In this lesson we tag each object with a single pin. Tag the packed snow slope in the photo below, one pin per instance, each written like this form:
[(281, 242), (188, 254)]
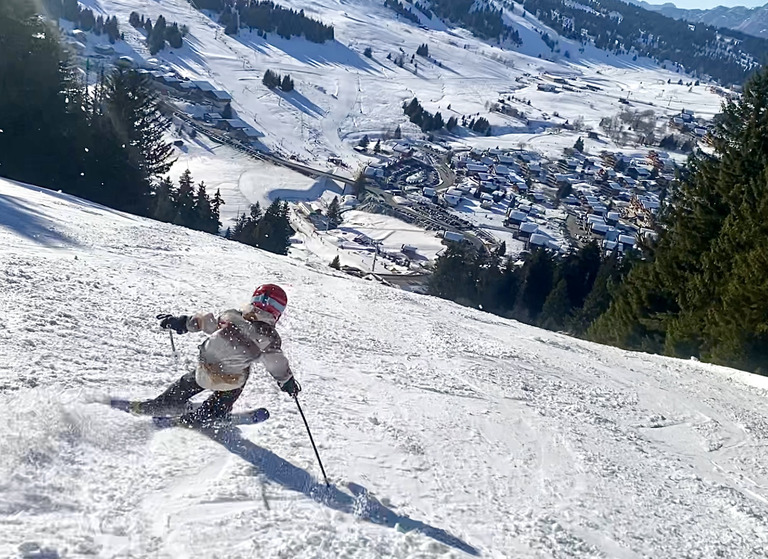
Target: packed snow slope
[(445, 431)]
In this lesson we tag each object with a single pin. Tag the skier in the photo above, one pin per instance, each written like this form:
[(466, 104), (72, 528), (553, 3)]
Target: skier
[(236, 340)]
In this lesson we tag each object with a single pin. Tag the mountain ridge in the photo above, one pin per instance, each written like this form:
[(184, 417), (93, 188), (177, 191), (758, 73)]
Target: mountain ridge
[(753, 21)]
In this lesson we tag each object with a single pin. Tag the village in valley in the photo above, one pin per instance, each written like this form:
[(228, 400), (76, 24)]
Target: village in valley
[(535, 178)]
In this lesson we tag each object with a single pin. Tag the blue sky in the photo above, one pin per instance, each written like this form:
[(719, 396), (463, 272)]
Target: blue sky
[(704, 4)]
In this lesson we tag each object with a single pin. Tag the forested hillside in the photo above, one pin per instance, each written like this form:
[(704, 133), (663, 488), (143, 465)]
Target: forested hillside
[(702, 290)]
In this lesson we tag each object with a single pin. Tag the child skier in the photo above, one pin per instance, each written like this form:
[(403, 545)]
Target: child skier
[(236, 340)]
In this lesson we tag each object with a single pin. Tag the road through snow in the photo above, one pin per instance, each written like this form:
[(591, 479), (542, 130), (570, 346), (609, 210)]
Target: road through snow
[(445, 431)]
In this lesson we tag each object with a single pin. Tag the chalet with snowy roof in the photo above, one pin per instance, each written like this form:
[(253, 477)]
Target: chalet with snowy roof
[(516, 217), (403, 150), (527, 229), (627, 241), (476, 168), (538, 240)]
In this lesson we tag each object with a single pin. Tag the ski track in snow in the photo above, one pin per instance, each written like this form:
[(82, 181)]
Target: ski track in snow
[(445, 431)]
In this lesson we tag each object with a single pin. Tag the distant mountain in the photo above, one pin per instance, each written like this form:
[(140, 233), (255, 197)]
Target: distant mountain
[(623, 28), (748, 20)]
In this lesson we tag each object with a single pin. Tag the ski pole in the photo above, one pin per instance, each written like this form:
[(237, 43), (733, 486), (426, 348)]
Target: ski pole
[(173, 345), (296, 397)]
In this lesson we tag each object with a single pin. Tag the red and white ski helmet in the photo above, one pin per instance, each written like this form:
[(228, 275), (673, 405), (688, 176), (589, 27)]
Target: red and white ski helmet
[(270, 298)]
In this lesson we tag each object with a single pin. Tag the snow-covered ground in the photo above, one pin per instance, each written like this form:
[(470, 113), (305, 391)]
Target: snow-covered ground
[(342, 95), (243, 180), (445, 431), (390, 233)]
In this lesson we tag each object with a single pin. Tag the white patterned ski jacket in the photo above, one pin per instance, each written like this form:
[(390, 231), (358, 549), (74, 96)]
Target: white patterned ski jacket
[(233, 344)]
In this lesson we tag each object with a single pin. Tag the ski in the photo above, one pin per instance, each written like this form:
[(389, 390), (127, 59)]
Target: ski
[(239, 418), (172, 416)]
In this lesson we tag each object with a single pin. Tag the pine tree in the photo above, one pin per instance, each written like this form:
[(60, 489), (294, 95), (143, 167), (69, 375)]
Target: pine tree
[(336, 263), (216, 204), (455, 274), (274, 231), (173, 36), (334, 212), (86, 20), (358, 187), (156, 37), (112, 29), (71, 10), (185, 200), (164, 207), (35, 83), (597, 302), (579, 145), (535, 284), (286, 84), (556, 309), (131, 115), (202, 212)]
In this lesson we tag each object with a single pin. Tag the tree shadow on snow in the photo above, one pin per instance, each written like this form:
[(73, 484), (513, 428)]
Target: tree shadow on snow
[(362, 505), (331, 53), (30, 222), (303, 104)]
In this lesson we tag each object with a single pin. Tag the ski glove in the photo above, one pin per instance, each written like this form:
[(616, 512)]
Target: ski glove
[(291, 387), (178, 323)]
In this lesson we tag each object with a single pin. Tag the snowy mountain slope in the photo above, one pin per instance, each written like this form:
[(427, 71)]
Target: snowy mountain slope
[(342, 95), (477, 435), (749, 20)]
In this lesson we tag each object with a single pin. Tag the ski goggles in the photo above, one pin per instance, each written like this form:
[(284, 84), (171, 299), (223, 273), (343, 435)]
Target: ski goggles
[(268, 303)]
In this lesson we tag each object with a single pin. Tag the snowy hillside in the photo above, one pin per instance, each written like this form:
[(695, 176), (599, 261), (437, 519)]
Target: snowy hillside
[(473, 434), (341, 95)]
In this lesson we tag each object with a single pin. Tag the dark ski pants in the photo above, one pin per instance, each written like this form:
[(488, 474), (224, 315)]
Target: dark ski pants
[(218, 404)]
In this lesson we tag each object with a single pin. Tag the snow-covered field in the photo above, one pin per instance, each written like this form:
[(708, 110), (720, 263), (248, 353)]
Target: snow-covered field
[(445, 431), (390, 234), (342, 95), (243, 180)]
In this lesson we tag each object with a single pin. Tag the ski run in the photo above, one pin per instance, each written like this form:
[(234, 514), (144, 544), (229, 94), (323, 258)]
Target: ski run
[(445, 431)]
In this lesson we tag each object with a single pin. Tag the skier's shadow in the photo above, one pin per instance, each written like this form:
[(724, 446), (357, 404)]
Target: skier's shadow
[(294, 478)]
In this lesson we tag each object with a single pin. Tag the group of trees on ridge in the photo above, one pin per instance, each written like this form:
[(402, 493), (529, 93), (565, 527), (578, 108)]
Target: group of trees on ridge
[(274, 80), (429, 122), (563, 294), (83, 18), (160, 32), (187, 206), (270, 230), (481, 18), (267, 17)]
